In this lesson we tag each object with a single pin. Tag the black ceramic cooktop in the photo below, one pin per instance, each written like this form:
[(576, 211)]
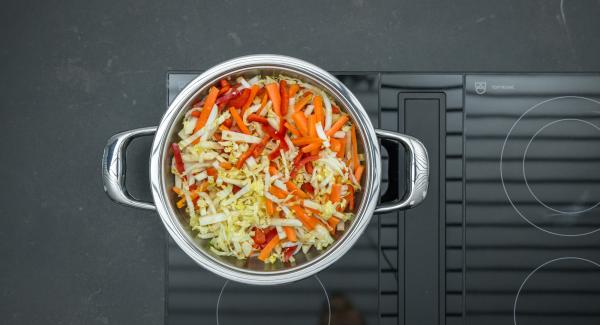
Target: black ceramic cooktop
[(509, 232)]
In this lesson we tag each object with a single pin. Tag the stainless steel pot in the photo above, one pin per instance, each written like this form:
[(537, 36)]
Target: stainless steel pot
[(252, 271)]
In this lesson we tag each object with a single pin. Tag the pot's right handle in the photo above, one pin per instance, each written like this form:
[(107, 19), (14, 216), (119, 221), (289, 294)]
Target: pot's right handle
[(114, 167), (418, 172)]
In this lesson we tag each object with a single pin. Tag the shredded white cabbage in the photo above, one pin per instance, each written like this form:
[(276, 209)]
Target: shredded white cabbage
[(229, 206)]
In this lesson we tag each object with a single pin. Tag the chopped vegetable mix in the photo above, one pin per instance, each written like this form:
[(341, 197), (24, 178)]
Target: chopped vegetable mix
[(267, 168)]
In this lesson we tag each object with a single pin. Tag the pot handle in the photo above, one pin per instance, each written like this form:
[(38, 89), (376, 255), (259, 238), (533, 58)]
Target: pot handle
[(114, 167), (418, 172)]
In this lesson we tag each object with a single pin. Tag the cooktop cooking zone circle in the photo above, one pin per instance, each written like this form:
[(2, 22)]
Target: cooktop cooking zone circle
[(549, 165), (560, 291), (247, 304), (575, 209)]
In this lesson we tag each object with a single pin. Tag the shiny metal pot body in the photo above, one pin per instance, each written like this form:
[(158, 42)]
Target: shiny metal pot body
[(251, 270)]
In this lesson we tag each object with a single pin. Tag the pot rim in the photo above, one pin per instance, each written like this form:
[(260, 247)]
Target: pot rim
[(159, 170)]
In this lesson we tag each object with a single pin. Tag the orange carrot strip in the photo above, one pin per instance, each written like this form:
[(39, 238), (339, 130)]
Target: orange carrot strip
[(211, 171), (181, 203), (333, 222), (177, 190), (263, 103), (335, 144), (311, 147), (293, 90), (312, 121), (253, 91), (318, 102), (306, 220), (358, 173), (302, 102), (211, 98), (305, 140), (337, 125), (273, 170), (238, 120), (354, 148), (301, 122), (283, 93), (342, 149), (292, 129), (273, 91), (279, 193), (266, 252), (270, 207), (290, 233), (336, 190), (202, 187), (295, 190), (226, 165), (350, 198)]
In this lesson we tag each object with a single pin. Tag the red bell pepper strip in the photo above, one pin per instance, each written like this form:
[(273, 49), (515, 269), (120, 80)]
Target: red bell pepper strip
[(178, 160), (240, 100), (288, 252), (259, 236), (227, 97), (225, 86), (261, 146), (275, 153), (301, 163)]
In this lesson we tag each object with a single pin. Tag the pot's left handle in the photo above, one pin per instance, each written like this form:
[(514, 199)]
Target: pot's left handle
[(114, 167)]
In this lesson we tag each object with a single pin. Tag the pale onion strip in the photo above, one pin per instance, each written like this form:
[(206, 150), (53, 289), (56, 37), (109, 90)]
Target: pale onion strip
[(280, 184), (210, 126), (333, 164), (286, 171), (338, 214), (340, 226), (280, 232), (311, 204), (349, 147), (285, 222), (274, 123), (339, 135), (225, 192), (244, 83), (267, 179), (209, 201), (188, 199), (251, 162), (288, 141), (201, 176), (309, 109), (322, 135), (210, 145), (254, 80), (236, 182), (239, 137), (189, 125), (187, 141), (266, 109), (236, 196), (328, 112), (213, 218)]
